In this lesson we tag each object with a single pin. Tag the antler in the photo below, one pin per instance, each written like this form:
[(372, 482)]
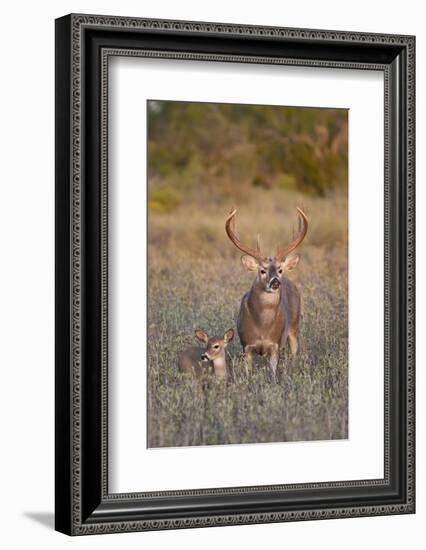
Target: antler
[(297, 239), (230, 230)]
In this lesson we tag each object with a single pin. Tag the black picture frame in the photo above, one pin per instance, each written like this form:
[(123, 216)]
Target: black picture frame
[(83, 45)]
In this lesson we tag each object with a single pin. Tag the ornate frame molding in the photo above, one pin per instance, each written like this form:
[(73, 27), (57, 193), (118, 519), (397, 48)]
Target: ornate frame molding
[(72, 517)]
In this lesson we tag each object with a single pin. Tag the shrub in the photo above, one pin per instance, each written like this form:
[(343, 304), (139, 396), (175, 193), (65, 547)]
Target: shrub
[(164, 199)]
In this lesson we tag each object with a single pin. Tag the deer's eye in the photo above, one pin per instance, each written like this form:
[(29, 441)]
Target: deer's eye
[(263, 271), (216, 346), (280, 271)]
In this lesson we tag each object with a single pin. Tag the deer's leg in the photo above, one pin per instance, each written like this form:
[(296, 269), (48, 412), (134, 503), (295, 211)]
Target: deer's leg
[(294, 345), (274, 356), (292, 340), (248, 359)]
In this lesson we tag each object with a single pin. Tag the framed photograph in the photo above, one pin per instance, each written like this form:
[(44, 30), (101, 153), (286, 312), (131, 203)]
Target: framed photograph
[(234, 274)]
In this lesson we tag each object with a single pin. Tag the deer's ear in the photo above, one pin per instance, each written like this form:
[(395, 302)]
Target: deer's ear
[(249, 263), (290, 262), (201, 336), (229, 335)]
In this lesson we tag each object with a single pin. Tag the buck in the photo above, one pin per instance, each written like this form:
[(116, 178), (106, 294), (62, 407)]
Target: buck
[(270, 311), (211, 359)]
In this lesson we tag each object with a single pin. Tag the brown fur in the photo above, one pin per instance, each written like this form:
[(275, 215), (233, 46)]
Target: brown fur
[(270, 310), (266, 319), (204, 362)]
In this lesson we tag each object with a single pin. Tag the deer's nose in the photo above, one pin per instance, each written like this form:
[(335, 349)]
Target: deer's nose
[(204, 357), (274, 283)]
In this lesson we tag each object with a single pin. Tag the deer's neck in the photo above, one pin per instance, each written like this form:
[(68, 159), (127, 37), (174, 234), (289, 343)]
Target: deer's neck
[(263, 305), (219, 365)]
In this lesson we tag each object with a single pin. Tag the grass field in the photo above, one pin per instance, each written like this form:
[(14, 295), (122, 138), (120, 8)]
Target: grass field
[(196, 280)]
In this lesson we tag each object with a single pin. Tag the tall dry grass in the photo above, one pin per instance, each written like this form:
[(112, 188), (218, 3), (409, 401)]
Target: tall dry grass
[(196, 280)]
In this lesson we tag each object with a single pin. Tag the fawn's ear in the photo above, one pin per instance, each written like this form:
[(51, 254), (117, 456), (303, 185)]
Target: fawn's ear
[(249, 262), (201, 336), (228, 336), (290, 262)]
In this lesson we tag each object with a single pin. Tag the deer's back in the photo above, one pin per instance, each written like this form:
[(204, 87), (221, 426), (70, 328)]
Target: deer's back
[(292, 295), (189, 362)]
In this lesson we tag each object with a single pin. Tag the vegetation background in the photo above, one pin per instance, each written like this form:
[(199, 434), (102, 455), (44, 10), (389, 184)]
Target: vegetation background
[(204, 159)]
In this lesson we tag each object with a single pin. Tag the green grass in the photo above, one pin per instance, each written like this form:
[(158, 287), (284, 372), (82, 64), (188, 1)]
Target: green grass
[(196, 281)]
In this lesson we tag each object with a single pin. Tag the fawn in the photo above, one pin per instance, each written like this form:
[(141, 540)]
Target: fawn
[(202, 361)]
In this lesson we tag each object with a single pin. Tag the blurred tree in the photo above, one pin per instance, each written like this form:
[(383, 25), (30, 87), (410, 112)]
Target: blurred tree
[(231, 145)]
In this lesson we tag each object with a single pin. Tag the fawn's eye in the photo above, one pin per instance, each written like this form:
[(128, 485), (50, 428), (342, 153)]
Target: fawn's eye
[(263, 271), (216, 346), (280, 271)]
